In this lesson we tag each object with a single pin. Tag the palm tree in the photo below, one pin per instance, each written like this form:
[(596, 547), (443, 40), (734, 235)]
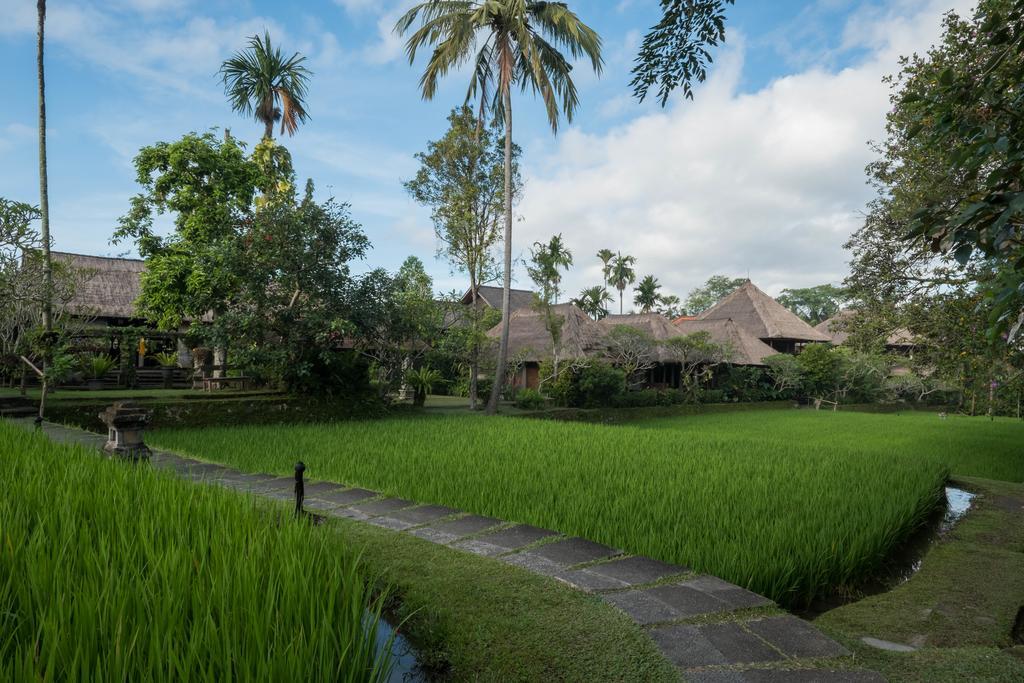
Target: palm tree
[(44, 206), (646, 296), (622, 274), (606, 256), (507, 42), (560, 258), (594, 301), (260, 82)]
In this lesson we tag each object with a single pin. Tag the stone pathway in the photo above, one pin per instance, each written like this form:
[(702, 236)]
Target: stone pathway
[(712, 630)]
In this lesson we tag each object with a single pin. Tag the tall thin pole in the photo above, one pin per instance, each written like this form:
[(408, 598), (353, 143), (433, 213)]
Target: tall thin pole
[(44, 197)]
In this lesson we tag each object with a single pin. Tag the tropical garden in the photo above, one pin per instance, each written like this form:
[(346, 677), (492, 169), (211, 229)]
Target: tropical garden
[(375, 380)]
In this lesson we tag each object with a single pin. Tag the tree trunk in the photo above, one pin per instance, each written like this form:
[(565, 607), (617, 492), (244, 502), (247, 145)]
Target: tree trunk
[(44, 207), (620, 299), (268, 130), (499, 374), (474, 352)]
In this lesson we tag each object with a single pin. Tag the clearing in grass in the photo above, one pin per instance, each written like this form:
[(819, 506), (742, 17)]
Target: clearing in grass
[(791, 517)]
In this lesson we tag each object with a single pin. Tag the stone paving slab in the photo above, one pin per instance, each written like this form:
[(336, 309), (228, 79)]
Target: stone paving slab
[(384, 506), (346, 496), (690, 647), (423, 514), (796, 638), (319, 488), (688, 601), (727, 592), (452, 530), (506, 540), (575, 551), (643, 608), (620, 573)]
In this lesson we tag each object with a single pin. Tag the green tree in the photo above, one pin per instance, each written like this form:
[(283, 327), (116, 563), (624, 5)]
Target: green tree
[(631, 350), (261, 82), (646, 295), (676, 51), (606, 256), (507, 43), (546, 259), (963, 99), (813, 304), (622, 274), (461, 180), (670, 306), (594, 301), (711, 292), (210, 187)]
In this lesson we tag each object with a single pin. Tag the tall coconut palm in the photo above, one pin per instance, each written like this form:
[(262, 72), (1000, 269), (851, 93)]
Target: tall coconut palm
[(622, 274), (594, 301), (560, 258), (261, 82), (44, 203), (606, 256), (646, 295), (507, 43)]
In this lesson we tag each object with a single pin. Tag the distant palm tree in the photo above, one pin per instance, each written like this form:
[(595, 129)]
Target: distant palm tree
[(606, 256), (646, 296), (560, 258), (622, 274), (506, 42), (260, 82), (594, 301)]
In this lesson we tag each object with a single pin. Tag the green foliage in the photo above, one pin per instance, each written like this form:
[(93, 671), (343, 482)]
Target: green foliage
[(98, 366), (704, 297), (422, 380), (455, 30), (813, 304), (529, 399), (261, 82), (646, 295), (622, 274), (676, 52), (594, 301), (786, 503), (973, 110), (819, 368), (135, 594), (598, 384), (632, 350), (166, 359), (649, 398), (747, 384)]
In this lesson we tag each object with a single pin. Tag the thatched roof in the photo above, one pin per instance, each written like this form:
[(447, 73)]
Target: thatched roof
[(835, 328), (109, 286), (491, 296), (655, 325), (746, 349), (531, 341), (762, 316)]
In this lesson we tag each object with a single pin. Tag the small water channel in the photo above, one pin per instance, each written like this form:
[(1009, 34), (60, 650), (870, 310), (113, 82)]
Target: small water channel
[(906, 560), (405, 666)]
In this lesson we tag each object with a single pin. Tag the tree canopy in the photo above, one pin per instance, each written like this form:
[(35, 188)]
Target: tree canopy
[(707, 295)]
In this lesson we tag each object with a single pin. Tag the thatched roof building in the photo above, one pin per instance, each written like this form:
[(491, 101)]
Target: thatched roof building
[(764, 318), (745, 348), (836, 329), (487, 295), (108, 287), (655, 325), (530, 340)]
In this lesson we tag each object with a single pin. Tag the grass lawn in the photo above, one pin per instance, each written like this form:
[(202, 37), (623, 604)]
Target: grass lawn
[(113, 572), (733, 495)]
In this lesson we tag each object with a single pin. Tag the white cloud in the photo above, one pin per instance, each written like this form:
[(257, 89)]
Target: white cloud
[(768, 183)]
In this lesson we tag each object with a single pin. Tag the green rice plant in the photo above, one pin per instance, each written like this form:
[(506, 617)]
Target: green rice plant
[(789, 504), (115, 572)]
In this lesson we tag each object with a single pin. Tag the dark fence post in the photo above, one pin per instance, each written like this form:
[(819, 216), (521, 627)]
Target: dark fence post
[(300, 487)]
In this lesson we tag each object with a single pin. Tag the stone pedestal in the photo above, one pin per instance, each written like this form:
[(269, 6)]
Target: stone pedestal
[(126, 422)]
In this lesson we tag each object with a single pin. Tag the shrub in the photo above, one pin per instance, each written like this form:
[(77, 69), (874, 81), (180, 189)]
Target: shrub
[(98, 366), (599, 384), (529, 399), (166, 359)]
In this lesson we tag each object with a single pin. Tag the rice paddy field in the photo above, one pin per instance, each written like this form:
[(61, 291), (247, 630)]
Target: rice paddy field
[(792, 505), (114, 572)]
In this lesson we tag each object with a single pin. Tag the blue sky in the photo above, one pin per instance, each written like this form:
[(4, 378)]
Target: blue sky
[(762, 175)]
